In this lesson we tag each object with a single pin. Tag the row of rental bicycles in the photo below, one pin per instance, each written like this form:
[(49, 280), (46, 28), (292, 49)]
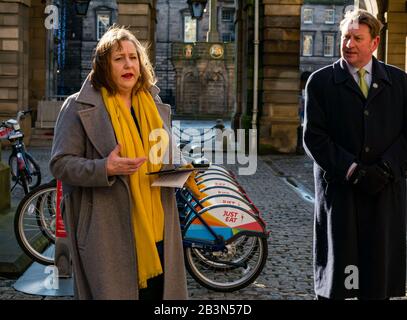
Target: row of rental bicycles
[(224, 236)]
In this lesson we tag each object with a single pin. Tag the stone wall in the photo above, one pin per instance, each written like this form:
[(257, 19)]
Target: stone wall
[(14, 49), (170, 29), (281, 82), (140, 15), (14, 60), (204, 83), (318, 28), (37, 47), (89, 30), (397, 34)]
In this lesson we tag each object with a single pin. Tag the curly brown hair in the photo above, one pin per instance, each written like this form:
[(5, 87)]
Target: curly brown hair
[(101, 76)]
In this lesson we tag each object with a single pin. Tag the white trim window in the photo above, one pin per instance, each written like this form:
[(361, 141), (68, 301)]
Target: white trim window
[(308, 15), (227, 15), (227, 37), (190, 28), (329, 45), (102, 23), (329, 16), (307, 45)]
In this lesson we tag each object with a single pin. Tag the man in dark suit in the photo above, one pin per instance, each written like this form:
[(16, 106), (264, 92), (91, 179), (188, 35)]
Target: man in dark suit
[(356, 132)]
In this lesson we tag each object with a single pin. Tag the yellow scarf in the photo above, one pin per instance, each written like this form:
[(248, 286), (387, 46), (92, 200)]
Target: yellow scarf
[(148, 213)]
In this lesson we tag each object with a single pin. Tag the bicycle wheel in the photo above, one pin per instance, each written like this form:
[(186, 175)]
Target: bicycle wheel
[(34, 223), (33, 179), (228, 271), (47, 218)]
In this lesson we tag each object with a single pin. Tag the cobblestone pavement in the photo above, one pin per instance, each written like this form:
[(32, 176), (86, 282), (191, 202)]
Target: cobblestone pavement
[(289, 216)]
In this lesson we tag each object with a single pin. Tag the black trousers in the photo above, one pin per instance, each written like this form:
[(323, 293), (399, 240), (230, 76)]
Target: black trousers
[(155, 286)]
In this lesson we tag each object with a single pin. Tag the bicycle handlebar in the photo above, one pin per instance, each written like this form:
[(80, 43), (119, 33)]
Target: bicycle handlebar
[(22, 113)]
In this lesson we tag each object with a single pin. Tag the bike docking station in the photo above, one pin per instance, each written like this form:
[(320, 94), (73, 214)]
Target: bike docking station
[(224, 236), (51, 280)]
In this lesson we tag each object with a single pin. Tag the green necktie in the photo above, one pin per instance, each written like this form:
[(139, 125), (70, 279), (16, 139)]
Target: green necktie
[(362, 82)]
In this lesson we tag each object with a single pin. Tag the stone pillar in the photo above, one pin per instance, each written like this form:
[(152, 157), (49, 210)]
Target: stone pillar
[(37, 51), (178, 81), (213, 34), (397, 34), (14, 18), (14, 58), (243, 65), (14, 33), (281, 81), (140, 15), (230, 70)]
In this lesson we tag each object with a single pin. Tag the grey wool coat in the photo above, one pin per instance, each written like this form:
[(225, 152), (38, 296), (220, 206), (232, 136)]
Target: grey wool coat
[(97, 209), (354, 229)]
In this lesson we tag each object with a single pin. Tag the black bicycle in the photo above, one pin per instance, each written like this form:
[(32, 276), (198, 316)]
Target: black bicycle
[(24, 169)]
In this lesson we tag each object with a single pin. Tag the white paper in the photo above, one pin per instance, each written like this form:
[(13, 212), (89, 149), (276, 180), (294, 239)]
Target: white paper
[(173, 180)]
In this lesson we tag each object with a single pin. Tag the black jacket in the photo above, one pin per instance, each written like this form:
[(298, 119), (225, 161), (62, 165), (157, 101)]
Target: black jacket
[(353, 229)]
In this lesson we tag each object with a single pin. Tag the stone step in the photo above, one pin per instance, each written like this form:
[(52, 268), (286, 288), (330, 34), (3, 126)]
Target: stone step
[(45, 131), (37, 142), (41, 137), (13, 261)]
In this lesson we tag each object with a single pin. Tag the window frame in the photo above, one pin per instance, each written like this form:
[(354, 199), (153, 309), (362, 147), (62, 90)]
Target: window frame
[(231, 11), (325, 36), (312, 16), (99, 13), (184, 16), (227, 34), (303, 44), (333, 16)]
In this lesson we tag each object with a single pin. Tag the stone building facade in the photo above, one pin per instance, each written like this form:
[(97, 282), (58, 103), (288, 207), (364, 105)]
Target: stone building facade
[(174, 27), (101, 14), (204, 79), (320, 36), (76, 40), (24, 57)]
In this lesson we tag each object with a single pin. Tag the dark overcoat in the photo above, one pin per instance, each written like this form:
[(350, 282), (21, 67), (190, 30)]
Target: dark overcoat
[(359, 240), (97, 208)]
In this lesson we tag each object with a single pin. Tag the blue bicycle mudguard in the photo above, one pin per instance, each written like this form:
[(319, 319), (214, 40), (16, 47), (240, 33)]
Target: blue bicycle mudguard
[(227, 221)]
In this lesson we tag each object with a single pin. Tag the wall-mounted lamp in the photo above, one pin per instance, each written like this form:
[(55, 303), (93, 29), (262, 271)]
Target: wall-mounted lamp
[(81, 7), (197, 8)]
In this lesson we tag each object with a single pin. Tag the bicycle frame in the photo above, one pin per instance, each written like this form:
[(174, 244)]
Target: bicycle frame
[(11, 131), (22, 163)]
